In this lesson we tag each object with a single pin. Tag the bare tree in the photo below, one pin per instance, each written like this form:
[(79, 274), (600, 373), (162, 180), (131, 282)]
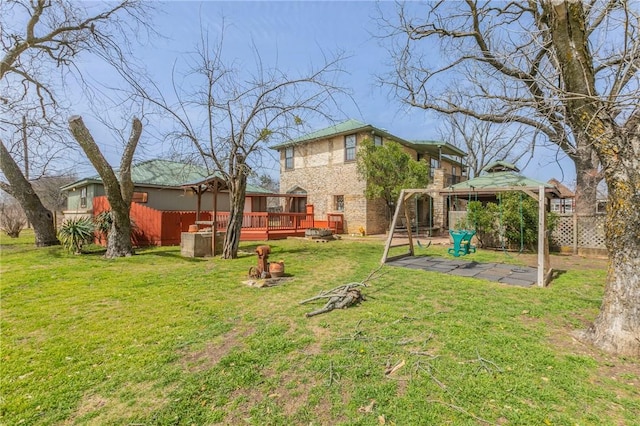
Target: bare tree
[(613, 132), (12, 218), (228, 115), (41, 39), (118, 191), (500, 66), (486, 142), (48, 189)]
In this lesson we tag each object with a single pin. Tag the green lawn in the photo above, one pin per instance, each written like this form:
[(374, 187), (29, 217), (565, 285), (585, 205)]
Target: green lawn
[(160, 339)]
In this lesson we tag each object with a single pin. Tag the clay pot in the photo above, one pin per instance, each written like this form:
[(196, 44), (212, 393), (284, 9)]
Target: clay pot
[(193, 228), (276, 269)]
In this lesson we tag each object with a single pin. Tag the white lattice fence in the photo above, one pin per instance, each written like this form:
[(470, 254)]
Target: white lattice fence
[(589, 231), (563, 233)]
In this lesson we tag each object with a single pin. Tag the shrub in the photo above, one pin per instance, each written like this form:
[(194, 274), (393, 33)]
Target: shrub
[(12, 219), (483, 220), (513, 222), (75, 233), (103, 222)]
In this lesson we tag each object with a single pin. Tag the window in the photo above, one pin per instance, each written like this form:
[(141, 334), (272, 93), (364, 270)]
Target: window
[(350, 148), (339, 203), (433, 165), (454, 170), (288, 158), (83, 197), (377, 140)]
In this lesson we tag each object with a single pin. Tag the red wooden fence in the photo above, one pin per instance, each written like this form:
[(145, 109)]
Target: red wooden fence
[(163, 228)]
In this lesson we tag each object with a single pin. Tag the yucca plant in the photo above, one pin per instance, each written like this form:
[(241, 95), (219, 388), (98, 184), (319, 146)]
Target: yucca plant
[(103, 222), (75, 233)]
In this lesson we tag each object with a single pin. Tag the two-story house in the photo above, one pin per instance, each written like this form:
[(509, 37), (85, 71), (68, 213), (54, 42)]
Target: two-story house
[(320, 169)]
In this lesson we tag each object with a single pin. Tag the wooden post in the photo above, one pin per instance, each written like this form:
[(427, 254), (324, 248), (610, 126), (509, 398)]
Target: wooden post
[(214, 223), (387, 246), (408, 221), (574, 233), (543, 247), (198, 201)]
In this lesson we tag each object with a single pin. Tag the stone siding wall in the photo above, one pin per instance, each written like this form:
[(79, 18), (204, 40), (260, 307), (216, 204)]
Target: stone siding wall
[(320, 169)]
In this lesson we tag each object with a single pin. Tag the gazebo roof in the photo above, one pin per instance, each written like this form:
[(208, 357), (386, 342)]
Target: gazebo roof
[(203, 184), (491, 183)]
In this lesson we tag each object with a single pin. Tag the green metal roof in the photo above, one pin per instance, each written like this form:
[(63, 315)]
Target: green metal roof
[(348, 126), (436, 147), (351, 126), (498, 180), (500, 166), (163, 173)]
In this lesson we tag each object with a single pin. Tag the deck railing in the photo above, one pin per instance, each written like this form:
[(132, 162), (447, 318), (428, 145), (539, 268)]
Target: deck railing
[(269, 221)]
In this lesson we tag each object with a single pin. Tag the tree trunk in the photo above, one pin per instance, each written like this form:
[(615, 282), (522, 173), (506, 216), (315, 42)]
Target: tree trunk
[(118, 193), (237, 193), (617, 327), (587, 179), (40, 218), (119, 240)]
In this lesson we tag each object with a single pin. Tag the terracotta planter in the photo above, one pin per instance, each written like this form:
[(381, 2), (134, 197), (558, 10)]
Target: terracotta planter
[(193, 228), (276, 269)]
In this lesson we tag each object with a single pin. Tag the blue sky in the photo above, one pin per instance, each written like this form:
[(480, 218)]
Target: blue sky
[(293, 36)]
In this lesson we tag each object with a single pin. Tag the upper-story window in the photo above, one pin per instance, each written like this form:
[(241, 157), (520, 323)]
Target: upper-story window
[(83, 197), (377, 140), (433, 165), (288, 158), (350, 148), (454, 170)]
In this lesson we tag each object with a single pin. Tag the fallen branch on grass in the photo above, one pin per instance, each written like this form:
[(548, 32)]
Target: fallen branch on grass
[(341, 297)]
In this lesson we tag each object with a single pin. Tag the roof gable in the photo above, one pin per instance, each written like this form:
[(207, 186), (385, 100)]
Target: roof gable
[(348, 126), (500, 166)]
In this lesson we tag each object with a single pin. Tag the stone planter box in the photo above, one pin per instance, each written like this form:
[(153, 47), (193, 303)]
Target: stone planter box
[(198, 244)]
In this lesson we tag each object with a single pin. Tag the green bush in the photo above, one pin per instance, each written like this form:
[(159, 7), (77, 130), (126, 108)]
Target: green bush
[(513, 222), (483, 220), (75, 233)]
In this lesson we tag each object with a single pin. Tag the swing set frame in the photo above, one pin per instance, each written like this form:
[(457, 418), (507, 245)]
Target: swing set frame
[(540, 193)]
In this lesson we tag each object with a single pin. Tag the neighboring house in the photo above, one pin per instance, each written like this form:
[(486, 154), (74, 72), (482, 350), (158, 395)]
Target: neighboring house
[(163, 204), (157, 184), (567, 200), (320, 169)]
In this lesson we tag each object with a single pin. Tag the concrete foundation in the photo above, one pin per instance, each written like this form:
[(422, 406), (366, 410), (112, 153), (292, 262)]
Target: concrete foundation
[(198, 244)]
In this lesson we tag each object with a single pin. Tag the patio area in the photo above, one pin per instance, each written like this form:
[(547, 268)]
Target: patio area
[(522, 276)]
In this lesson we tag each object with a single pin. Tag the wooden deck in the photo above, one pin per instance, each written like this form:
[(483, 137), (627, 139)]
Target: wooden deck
[(262, 226)]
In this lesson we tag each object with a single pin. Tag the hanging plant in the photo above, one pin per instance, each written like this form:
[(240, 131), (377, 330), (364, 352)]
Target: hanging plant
[(75, 233)]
